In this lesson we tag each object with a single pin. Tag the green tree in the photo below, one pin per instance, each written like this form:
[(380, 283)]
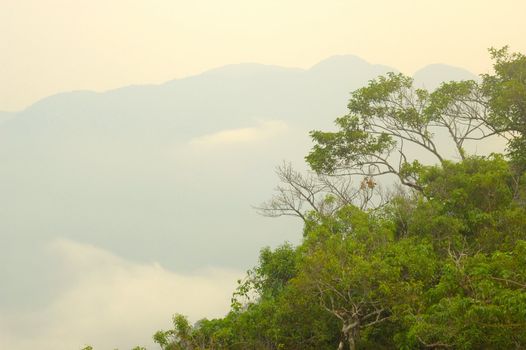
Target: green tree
[(360, 275), (390, 116), (479, 303), (505, 91), (178, 338)]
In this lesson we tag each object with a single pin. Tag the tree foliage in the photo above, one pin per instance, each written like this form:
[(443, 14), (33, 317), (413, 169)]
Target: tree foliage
[(390, 118), (506, 95)]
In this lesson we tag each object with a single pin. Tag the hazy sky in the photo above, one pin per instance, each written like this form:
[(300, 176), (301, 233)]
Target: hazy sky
[(49, 46)]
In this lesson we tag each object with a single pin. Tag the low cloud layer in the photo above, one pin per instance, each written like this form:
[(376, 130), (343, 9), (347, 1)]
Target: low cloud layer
[(262, 131), (113, 303)]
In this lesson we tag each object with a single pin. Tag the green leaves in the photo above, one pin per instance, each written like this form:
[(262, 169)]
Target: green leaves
[(389, 119), (480, 302), (506, 94), (352, 146)]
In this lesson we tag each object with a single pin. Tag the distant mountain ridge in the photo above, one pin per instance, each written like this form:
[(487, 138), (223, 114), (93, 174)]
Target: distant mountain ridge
[(4, 116), (228, 96)]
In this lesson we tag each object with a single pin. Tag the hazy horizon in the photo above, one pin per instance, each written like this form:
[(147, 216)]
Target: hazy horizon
[(226, 66), (54, 45)]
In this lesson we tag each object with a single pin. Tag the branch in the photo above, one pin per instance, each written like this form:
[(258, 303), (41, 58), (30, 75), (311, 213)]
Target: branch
[(522, 285)]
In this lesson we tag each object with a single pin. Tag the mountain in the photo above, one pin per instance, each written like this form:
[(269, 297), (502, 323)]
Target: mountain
[(431, 76), (222, 98), (4, 116), (164, 173)]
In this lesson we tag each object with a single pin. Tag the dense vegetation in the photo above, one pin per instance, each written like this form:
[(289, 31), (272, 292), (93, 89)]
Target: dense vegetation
[(437, 261)]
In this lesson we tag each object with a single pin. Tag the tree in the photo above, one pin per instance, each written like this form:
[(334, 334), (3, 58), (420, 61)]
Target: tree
[(479, 303), (505, 91), (270, 311), (360, 275), (298, 195), (389, 117), (178, 338)]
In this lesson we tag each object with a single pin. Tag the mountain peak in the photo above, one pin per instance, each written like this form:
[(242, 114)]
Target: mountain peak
[(432, 75), (339, 61)]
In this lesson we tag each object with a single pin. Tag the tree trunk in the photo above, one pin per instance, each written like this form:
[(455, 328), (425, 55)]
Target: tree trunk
[(349, 334), (353, 336), (352, 344)]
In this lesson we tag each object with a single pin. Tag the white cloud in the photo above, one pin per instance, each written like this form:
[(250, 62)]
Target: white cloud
[(263, 130), (114, 303)]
